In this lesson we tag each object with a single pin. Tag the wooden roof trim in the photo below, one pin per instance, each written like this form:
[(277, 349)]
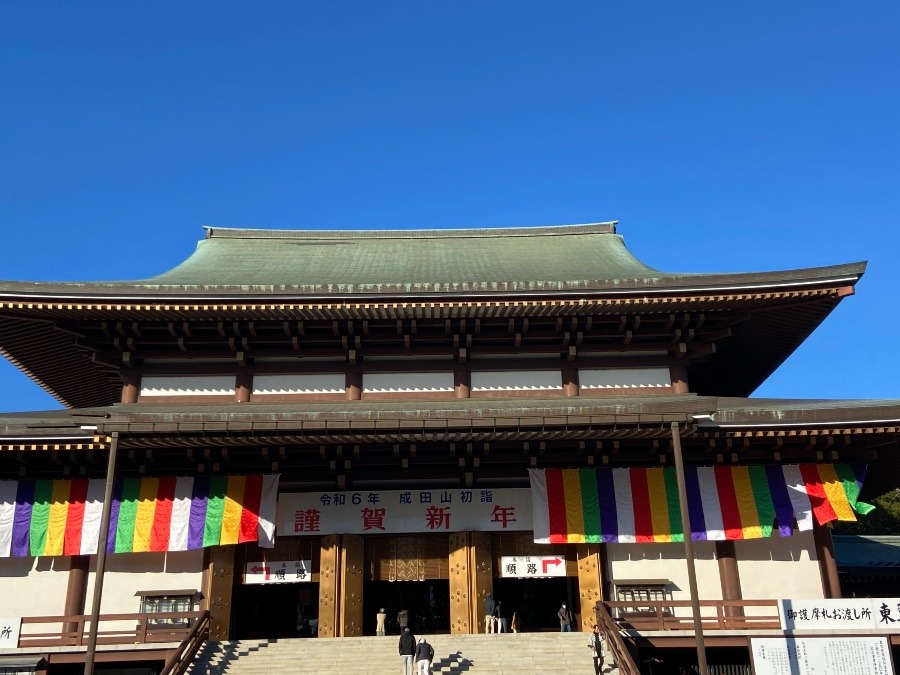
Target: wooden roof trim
[(46, 447), (441, 306)]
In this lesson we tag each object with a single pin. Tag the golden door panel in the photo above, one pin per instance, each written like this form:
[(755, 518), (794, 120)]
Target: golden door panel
[(407, 558)]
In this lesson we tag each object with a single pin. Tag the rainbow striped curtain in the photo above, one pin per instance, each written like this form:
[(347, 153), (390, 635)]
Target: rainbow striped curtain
[(62, 517), (636, 505)]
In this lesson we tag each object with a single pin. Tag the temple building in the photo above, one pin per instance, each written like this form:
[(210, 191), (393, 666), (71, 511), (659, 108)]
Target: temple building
[(296, 429)]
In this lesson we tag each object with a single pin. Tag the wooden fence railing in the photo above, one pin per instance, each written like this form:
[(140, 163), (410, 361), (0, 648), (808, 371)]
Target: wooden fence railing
[(180, 661), (112, 629), (663, 615)]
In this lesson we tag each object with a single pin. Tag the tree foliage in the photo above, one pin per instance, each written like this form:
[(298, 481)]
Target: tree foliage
[(884, 520)]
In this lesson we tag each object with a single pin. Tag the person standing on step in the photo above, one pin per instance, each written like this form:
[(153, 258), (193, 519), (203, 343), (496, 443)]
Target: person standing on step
[(596, 645), (424, 657), (407, 651), (500, 613), (403, 619), (565, 619), (379, 622), (489, 606)]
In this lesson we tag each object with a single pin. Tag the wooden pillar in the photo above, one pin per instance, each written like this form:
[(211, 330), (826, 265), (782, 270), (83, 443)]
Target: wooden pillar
[(462, 383), (590, 590), (76, 589), (353, 385), (570, 381), (462, 616), (831, 583), (678, 375), (352, 566), (243, 387), (131, 387), (329, 578), (729, 578), (219, 578), (481, 576)]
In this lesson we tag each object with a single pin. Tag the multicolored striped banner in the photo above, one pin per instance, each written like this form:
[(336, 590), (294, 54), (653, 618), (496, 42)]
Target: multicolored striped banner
[(62, 517), (634, 505)]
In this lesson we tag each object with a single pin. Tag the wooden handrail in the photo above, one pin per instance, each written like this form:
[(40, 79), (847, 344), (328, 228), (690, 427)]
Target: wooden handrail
[(72, 630), (180, 661), (614, 641), (659, 615)]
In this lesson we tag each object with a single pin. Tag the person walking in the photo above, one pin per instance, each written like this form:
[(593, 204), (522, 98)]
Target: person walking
[(379, 622), (489, 606), (407, 651), (596, 644), (565, 619), (424, 657)]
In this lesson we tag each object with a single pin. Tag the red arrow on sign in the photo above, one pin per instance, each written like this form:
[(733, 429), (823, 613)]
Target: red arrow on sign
[(547, 563), (257, 569)]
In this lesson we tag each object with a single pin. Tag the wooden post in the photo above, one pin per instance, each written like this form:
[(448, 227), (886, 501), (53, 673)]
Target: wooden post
[(353, 385), (76, 590), (243, 387), (729, 578), (461, 610), (481, 565), (352, 566), (462, 383), (678, 375), (570, 381), (831, 582), (131, 387), (590, 591), (220, 580), (329, 578)]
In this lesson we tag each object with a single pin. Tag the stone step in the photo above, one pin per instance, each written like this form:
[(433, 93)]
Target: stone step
[(522, 654)]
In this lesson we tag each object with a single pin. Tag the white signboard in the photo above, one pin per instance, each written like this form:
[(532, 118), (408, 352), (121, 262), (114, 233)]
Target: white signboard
[(278, 572), (532, 566), (821, 656), (9, 632), (404, 511), (877, 615)]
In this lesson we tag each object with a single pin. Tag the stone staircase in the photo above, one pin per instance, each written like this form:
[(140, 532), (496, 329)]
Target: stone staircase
[(506, 654)]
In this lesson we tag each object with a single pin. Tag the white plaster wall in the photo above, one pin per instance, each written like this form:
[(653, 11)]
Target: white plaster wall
[(666, 561), (406, 382), (516, 380), (601, 378), (127, 573), (33, 586), (188, 385), (776, 568), (300, 383)]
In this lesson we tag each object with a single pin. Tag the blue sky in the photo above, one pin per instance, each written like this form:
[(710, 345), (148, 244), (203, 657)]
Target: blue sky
[(722, 136)]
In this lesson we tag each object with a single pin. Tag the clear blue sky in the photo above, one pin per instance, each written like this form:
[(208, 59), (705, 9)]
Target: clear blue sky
[(722, 136)]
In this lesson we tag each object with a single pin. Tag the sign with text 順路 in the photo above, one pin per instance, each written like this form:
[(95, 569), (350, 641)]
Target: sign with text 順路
[(528, 566), (404, 511), (278, 572)]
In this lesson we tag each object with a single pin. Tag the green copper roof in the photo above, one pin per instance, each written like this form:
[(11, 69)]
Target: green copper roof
[(412, 258)]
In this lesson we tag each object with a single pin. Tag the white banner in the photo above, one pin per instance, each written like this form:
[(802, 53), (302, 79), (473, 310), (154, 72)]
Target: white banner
[(404, 511), (821, 656), (875, 615), (9, 632), (528, 566), (278, 572)]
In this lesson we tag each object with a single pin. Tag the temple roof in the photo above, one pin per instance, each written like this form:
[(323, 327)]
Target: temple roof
[(731, 330), (744, 429), (246, 263)]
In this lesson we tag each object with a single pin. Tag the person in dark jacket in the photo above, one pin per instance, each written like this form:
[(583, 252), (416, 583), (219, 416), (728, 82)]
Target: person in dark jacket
[(407, 651), (424, 656), (565, 619)]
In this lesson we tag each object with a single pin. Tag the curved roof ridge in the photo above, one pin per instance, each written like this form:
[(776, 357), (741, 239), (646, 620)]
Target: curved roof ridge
[(604, 227)]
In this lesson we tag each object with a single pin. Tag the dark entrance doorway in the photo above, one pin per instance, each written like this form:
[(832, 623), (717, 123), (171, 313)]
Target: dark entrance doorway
[(536, 601), (428, 603), (274, 611)]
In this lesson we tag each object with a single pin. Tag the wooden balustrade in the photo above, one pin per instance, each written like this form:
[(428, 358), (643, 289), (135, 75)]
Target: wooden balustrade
[(661, 615), (113, 629)]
